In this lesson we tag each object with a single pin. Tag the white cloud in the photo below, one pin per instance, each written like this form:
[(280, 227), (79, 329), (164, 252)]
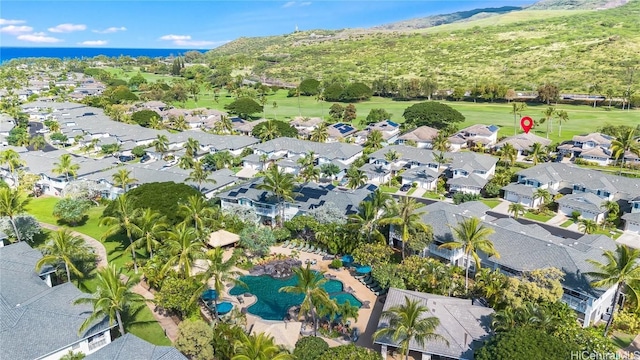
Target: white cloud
[(38, 38), (93, 43), (110, 30), (11, 22), (66, 28), (289, 4), (16, 30), (172, 37)]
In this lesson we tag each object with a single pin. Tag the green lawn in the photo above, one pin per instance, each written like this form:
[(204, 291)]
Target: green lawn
[(491, 202), (411, 191), (537, 217), (144, 324), (389, 189), (567, 223), (431, 195), (622, 340)]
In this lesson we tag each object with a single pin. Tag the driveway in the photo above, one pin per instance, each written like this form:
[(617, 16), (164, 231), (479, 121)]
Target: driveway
[(34, 127)]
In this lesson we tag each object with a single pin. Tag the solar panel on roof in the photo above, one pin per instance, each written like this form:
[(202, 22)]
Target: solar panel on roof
[(242, 191), (337, 126), (392, 123), (492, 128)]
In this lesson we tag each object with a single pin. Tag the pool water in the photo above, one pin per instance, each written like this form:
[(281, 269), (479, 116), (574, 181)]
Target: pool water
[(274, 305)]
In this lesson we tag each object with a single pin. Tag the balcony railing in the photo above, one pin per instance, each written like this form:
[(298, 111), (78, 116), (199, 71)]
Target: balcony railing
[(445, 253), (576, 304), (96, 344)]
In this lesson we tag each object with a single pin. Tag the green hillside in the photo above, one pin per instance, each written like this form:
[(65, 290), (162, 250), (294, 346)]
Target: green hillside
[(521, 49)]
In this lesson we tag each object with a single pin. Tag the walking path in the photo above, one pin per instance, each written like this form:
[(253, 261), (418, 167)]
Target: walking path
[(167, 323)]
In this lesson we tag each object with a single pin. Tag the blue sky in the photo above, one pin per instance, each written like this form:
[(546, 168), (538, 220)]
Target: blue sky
[(203, 24)]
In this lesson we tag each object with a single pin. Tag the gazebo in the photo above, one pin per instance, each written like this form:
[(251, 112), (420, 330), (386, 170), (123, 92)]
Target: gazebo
[(222, 238)]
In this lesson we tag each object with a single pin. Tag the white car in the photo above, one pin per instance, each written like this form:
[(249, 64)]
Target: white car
[(43, 131)]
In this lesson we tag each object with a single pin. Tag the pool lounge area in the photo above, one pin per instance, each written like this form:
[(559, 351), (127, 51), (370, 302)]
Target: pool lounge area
[(272, 304)]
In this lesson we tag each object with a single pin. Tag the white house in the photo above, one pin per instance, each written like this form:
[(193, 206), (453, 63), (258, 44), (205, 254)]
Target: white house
[(423, 137), (588, 205)]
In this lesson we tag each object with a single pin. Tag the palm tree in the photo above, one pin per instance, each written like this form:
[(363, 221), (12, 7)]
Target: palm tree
[(37, 142), (473, 237), (508, 154), (184, 248), (309, 283), (544, 195), (122, 179), (268, 131), (192, 146), (113, 297), (122, 219), (64, 248), (199, 175), (355, 178), (406, 217), (258, 347), (374, 141), (194, 211), (588, 226), (516, 209), (12, 203), (148, 228), (625, 142), (219, 273), (225, 124), (223, 159), (441, 142), (13, 161), (517, 109), (66, 167), (161, 144), (409, 322), (537, 153), (563, 117), (330, 170), (320, 133), (280, 184), (391, 156), (547, 117), (366, 221), (310, 173), (610, 92), (155, 122), (54, 126), (440, 158), (621, 269), (612, 208)]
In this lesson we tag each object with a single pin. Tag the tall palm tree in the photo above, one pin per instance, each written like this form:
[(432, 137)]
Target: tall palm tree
[(161, 144), (330, 170), (374, 141), (219, 273), (548, 117), (440, 158), (473, 237), (537, 153), (355, 178), (148, 227), (63, 247), (112, 298), (37, 142), (192, 146), (544, 195), (258, 347), (320, 133), (621, 269), (184, 249), (122, 220), (66, 167), (612, 208), (441, 142), (12, 203), (12, 159), (588, 226), (391, 156), (406, 217), (199, 175), (195, 211), (508, 154), (563, 117), (310, 173), (123, 179), (516, 209), (408, 322), (225, 124), (269, 131), (517, 108), (309, 283), (280, 184), (223, 159), (625, 142)]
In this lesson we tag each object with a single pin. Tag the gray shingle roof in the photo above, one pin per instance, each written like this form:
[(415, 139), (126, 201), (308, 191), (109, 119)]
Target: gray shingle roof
[(462, 324), (131, 347), (469, 160), (336, 150), (583, 201), (472, 180), (29, 309), (524, 141), (421, 134)]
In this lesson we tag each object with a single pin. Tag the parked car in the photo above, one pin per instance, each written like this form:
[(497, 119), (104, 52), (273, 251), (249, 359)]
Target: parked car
[(145, 158), (125, 158), (405, 187)]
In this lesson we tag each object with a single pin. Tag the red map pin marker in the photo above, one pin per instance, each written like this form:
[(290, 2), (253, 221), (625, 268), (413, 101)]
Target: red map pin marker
[(526, 123)]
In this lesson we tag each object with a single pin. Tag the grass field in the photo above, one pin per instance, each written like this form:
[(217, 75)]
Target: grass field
[(491, 202), (144, 324), (622, 340), (567, 223), (538, 217)]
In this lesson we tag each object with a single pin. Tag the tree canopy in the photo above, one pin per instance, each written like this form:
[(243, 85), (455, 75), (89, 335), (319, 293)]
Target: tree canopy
[(283, 129), (525, 343), (143, 117), (432, 113), (244, 107)]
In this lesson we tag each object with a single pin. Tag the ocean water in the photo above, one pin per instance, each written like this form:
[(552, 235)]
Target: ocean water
[(8, 53)]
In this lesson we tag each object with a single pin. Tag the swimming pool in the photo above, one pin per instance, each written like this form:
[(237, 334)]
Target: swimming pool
[(274, 305)]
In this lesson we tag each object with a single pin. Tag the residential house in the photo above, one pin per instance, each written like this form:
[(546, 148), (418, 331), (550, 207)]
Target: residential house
[(486, 135), (525, 248), (307, 197), (469, 172), (131, 347), (305, 125), (464, 326), (422, 136), (340, 131), (245, 127), (324, 152), (632, 219), (523, 142), (589, 205), (389, 130), (41, 321), (594, 147)]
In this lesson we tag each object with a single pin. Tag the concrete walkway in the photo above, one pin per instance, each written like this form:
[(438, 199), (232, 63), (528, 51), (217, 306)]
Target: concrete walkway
[(167, 323)]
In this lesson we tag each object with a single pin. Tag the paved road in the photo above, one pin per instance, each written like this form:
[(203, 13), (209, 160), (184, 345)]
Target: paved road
[(33, 131)]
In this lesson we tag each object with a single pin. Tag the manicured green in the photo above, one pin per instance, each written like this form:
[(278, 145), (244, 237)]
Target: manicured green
[(567, 223), (389, 189), (491, 202), (538, 217), (411, 191), (431, 195), (622, 340)]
